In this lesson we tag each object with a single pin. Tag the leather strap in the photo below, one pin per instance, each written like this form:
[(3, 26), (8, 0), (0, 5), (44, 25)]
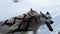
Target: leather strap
[(10, 24)]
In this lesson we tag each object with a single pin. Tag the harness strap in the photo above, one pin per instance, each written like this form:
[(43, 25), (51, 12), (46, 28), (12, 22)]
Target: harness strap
[(22, 21), (10, 24), (19, 30), (28, 22), (5, 21), (26, 29), (18, 18)]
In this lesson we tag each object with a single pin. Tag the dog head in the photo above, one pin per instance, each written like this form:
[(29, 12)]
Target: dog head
[(47, 19)]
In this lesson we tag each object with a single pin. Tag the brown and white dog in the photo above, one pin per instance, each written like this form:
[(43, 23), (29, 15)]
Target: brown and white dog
[(29, 21)]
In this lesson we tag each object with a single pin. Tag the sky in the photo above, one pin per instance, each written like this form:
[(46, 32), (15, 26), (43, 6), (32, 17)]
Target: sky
[(8, 9)]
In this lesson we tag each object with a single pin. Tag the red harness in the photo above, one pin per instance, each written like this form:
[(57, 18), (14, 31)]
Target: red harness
[(10, 24), (23, 20)]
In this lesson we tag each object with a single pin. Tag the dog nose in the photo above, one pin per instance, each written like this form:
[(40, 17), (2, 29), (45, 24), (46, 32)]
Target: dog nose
[(51, 22)]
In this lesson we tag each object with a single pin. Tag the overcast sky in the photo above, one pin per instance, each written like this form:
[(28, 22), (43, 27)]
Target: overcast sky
[(9, 9)]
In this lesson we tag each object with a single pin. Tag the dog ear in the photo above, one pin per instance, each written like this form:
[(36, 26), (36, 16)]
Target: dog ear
[(31, 9), (41, 13), (48, 13)]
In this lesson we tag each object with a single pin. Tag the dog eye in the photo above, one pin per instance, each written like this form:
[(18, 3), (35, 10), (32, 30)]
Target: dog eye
[(50, 17), (46, 18)]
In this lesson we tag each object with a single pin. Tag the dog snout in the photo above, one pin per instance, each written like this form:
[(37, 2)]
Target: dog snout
[(51, 22)]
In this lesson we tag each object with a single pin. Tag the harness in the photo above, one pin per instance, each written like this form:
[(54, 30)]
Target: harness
[(26, 28), (23, 20), (10, 24)]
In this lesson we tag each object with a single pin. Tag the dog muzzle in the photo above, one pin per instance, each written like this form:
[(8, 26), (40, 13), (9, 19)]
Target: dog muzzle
[(51, 22), (49, 26)]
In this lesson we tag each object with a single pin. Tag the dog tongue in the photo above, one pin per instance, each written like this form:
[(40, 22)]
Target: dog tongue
[(49, 26)]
